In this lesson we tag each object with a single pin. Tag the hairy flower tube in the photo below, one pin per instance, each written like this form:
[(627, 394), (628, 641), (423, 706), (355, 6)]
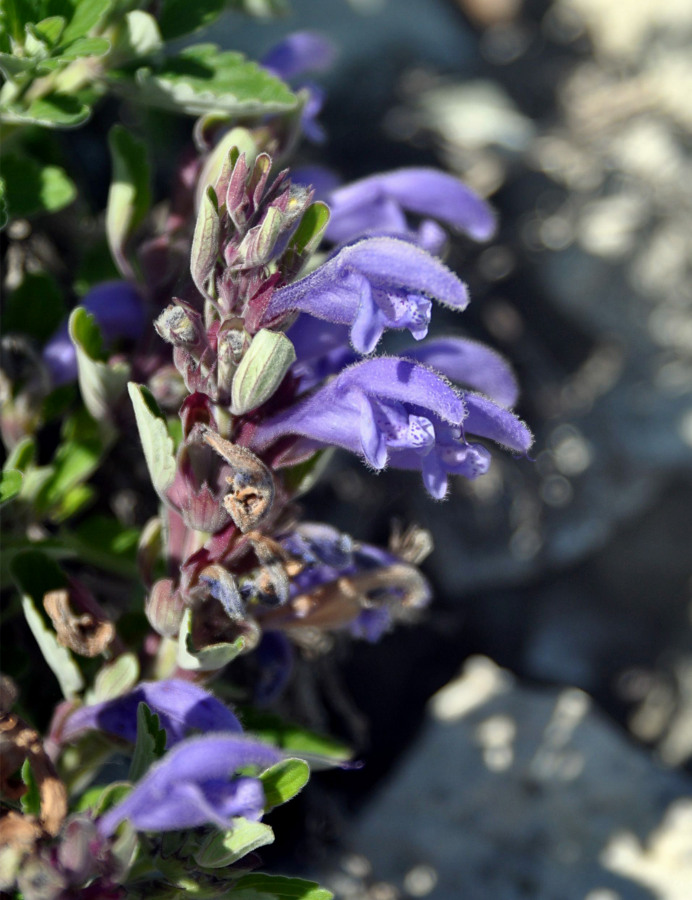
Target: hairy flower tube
[(195, 784), (372, 285), (397, 411)]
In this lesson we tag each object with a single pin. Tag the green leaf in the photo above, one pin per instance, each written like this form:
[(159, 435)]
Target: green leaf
[(129, 196), (179, 17), (203, 78), (291, 737), (103, 542), (52, 111), (87, 14), (35, 308), (22, 455), (51, 29), (10, 485), (308, 234), (15, 15), (101, 384), (86, 47), (31, 800), (283, 781), (150, 744), (32, 188), (35, 574), (75, 460), (221, 849), (252, 887), (156, 441)]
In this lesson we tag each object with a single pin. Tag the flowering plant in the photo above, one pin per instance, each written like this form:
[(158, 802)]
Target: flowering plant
[(269, 295)]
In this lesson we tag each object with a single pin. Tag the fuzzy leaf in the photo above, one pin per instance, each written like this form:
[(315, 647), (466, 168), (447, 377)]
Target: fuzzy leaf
[(52, 111), (258, 885), (129, 196), (150, 744), (222, 849), (87, 14), (283, 781), (84, 46), (100, 383), (156, 442), (33, 188), (203, 78)]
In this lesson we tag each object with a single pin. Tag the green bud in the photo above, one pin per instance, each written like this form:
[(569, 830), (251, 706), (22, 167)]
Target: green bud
[(258, 244), (205, 243), (261, 370)]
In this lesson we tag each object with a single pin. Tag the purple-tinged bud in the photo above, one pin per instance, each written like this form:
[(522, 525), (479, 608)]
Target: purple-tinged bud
[(164, 607)]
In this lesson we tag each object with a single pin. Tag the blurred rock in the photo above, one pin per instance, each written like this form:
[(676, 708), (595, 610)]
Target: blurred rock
[(513, 792)]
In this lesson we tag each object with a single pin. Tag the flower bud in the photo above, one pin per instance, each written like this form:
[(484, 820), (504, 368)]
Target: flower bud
[(261, 371), (165, 607)]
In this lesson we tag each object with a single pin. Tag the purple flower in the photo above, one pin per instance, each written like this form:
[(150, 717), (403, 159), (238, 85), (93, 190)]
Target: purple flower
[(397, 411), (302, 51), (119, 312), (379, 204), (371, 285), (180, 706), (195, 784)]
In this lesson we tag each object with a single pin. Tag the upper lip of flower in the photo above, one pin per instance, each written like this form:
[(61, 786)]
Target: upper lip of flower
[(372, 284)]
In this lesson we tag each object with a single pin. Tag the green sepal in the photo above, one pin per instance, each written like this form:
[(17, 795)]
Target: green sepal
[(221, 849), (114, 679), (31, 800), (261, 370), (283, 781), (205, 241), (211, 657)]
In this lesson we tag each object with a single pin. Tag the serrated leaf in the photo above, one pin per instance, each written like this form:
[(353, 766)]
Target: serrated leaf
[(203, 78), (33, 188), (283, 781), (52, 111), (224, 848), (129, 196), (150, 744), (101, 384), (10, 485), (156, 441), (35, 574), (250, 887)]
